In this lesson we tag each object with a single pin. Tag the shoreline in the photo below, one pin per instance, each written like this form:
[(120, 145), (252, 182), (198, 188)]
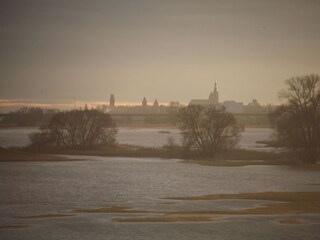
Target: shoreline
[(142, 125), (231, 158), (18, 156)]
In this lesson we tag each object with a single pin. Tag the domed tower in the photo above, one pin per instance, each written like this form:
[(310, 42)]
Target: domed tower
[(214, 96)]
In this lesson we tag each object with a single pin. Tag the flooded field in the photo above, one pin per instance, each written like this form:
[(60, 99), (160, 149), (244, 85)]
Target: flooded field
[(148, 137), (140, 198), (105, 198)]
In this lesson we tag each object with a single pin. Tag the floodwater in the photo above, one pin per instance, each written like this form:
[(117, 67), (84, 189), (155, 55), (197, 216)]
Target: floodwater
[(147, 137), (40, 188)]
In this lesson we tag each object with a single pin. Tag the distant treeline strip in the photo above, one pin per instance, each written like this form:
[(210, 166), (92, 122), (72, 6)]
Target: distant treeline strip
[(27, 117), (36, 116)]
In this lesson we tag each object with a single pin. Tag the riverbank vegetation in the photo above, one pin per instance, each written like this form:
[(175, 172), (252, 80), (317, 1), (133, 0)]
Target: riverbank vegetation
[(178, 152), (90, 132), (77, 129), (209, 133), (230, 157), (297, 122), (208, 129)]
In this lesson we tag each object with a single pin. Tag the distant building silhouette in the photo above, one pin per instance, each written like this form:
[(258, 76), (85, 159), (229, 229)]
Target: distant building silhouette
[(255, 107), (156, 104), (214, 96), (112, 101), (144, 102), (233, 106), (174, 104), (212, 100)]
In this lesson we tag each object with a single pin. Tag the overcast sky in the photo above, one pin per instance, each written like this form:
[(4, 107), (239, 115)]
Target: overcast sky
[(165, 49)]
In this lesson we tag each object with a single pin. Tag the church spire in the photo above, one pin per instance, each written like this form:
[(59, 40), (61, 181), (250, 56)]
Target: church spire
[(144, 102), (214, 96), (215, 86)]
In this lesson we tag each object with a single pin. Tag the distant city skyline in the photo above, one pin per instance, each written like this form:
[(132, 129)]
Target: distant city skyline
[(54, 51), (7, 105)]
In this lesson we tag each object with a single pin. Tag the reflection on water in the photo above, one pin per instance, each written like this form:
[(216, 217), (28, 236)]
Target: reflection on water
[(41, 188), (148, 137), (37, 188), (15, 137)]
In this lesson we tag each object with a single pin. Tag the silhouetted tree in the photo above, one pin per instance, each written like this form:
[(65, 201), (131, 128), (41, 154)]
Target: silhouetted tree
[(208, 128), (77, 129), (297, 122)]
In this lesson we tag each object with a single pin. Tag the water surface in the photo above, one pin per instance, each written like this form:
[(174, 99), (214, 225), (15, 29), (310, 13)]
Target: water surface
[(59, 187), (147, 137)]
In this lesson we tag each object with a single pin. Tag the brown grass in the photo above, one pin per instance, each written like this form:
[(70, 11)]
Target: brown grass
[(56, 215), (290, 221), (231, 157), (13, 226), (287, 203), (15, 155), (279, 203), (113, 209), (235, 163), (166, 219), (245, 154)]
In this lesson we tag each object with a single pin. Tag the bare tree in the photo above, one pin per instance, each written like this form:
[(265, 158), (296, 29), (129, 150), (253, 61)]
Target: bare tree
[(208, 128), (77, 129), (297, 122)]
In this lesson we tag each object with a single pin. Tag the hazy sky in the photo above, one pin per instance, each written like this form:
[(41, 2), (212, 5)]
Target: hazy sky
[(165, 49)]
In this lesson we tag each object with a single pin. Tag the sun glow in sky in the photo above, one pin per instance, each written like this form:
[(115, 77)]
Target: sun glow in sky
[(161, 49), (7, 105)]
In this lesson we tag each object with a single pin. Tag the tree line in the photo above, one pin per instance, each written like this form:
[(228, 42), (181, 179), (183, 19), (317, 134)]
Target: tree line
[(209, 129), (28, 116), (297, 121)]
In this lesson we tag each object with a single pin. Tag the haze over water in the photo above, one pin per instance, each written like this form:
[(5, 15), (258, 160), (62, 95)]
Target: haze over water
[(78, 54)]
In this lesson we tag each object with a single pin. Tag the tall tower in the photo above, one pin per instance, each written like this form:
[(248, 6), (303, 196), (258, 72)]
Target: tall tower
[(156, 103), (112, 100), (144, 102), (214, 96)]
